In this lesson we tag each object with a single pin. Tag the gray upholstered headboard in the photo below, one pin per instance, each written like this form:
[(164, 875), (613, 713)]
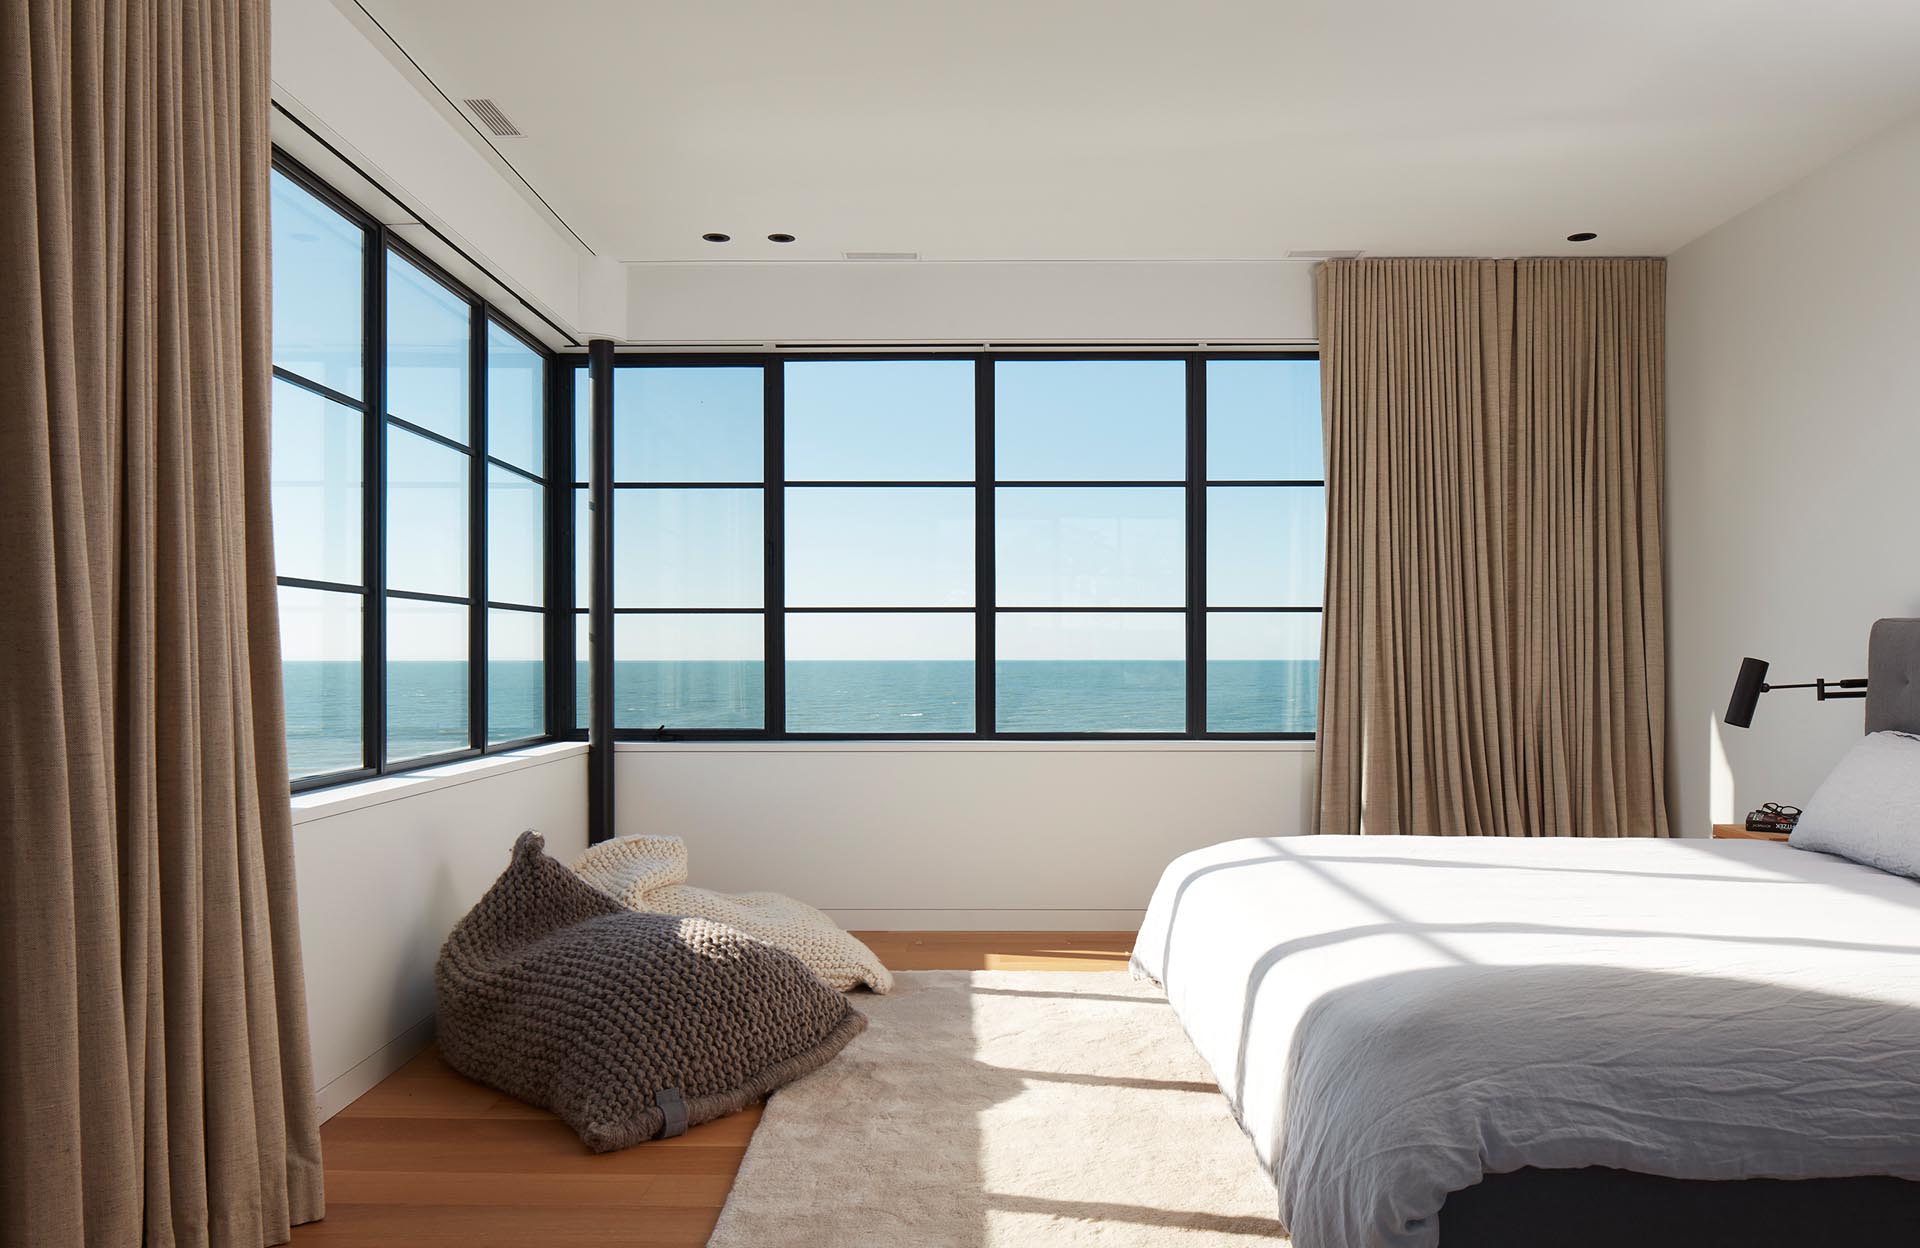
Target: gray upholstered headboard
[(1893, 676)]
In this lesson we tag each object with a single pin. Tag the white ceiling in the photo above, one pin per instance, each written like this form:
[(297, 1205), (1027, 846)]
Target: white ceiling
[(1157, 129)]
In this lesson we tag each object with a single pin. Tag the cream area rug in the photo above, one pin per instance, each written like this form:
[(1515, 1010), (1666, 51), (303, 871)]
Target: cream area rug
[(987, 1108)]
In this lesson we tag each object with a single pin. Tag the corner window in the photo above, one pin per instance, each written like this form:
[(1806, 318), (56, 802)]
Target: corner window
[(410, 502)]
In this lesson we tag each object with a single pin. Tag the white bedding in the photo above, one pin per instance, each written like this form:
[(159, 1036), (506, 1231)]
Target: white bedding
[(1394, 1017)]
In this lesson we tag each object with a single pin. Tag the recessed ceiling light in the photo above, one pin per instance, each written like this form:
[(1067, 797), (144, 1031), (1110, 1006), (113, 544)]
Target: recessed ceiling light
[(779, 238), (1584, 236), (718, 238)]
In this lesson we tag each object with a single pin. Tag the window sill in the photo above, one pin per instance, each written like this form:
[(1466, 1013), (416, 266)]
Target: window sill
[(1194, 745), (340, 799)]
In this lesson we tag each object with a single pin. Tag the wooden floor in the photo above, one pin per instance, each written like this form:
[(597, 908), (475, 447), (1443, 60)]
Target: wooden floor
[(431, 1158)]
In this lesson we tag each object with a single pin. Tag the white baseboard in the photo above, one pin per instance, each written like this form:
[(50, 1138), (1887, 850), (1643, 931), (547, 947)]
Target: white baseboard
[(988, 920), (351, 1086)]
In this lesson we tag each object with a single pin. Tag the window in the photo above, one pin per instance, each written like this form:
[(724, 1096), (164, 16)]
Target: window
[(997, 545), (879, 537), (689, 573), (517, 504), (410, 501), (1090, 466), (319, 478), (1266, 512)]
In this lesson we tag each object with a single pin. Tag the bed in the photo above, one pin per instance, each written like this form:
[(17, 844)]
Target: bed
[(1463, 1041)]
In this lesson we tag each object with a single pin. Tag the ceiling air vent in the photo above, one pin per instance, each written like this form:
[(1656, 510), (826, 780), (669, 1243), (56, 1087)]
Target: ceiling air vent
[(1323, 255), (490, 115), (880, 255)]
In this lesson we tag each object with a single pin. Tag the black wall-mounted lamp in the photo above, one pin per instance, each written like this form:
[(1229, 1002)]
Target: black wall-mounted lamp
[(1752, 682)]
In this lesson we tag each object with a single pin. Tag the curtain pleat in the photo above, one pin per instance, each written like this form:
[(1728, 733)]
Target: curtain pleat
[(1492, 656), (157, 1082)]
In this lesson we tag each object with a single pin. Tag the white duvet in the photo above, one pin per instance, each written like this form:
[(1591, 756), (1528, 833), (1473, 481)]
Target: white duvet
[(1395, 1017)]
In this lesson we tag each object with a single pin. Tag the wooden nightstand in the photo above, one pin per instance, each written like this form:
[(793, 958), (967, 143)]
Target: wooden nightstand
[(1738, 832)]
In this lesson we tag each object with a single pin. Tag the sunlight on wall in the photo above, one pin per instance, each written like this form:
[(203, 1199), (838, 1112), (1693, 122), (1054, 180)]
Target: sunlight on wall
[(1720, 794)]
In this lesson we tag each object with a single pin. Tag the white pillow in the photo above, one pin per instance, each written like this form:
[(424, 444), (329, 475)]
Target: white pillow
[(1868, 809)]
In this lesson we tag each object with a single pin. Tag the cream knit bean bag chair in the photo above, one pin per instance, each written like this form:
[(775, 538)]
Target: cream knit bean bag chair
[(649, 873)]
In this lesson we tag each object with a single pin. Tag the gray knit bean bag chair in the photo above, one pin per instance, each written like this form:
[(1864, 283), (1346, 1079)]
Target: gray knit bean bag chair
[(628, 1026)]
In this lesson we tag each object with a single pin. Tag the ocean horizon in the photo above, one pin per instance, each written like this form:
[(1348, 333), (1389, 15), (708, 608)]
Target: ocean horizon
[(427, 710)]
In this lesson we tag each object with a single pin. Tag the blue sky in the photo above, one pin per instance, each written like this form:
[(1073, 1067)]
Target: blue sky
[(847, 421), (886, 546), (865, 545)]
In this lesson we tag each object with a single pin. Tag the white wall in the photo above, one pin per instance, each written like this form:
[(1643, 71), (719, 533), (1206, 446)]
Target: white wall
[(955, 836), (926, 302), (987, 836), (385, 870), (1793, 465), (335, 77)]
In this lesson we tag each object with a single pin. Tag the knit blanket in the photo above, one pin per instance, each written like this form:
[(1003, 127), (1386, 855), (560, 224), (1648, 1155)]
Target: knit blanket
[(649, 873)]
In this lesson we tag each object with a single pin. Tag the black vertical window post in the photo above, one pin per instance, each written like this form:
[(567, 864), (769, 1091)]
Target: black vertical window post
[(1196, 545), (985, 636), (373, 660), (558, 719), (600, 615), (477, 591), (773, 475)]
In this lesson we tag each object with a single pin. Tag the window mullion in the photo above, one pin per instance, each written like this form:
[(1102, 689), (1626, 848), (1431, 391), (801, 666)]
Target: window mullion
[(373, 673), (557, 467), (1196, 545), (600, 714), (477, 527), (985, 592), (773, 475)]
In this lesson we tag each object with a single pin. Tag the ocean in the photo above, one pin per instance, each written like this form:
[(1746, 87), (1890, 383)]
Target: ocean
[(427, 702)]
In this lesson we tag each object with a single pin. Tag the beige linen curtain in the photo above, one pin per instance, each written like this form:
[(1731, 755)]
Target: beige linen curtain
[(1492, 661), (155, 1084)]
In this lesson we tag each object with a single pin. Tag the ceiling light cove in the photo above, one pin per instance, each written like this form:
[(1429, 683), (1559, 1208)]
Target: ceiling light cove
[(779, 238), (1583, 236), (718, 238)]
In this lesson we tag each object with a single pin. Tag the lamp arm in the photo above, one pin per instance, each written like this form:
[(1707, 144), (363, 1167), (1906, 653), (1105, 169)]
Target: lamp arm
[(1854, 682)]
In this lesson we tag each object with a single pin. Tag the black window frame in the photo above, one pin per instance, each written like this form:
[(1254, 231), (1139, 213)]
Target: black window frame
[(378, 241), (986, 609)]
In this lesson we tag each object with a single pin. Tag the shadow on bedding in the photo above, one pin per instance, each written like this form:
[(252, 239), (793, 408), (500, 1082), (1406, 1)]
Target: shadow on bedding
[(1402, 1089)]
